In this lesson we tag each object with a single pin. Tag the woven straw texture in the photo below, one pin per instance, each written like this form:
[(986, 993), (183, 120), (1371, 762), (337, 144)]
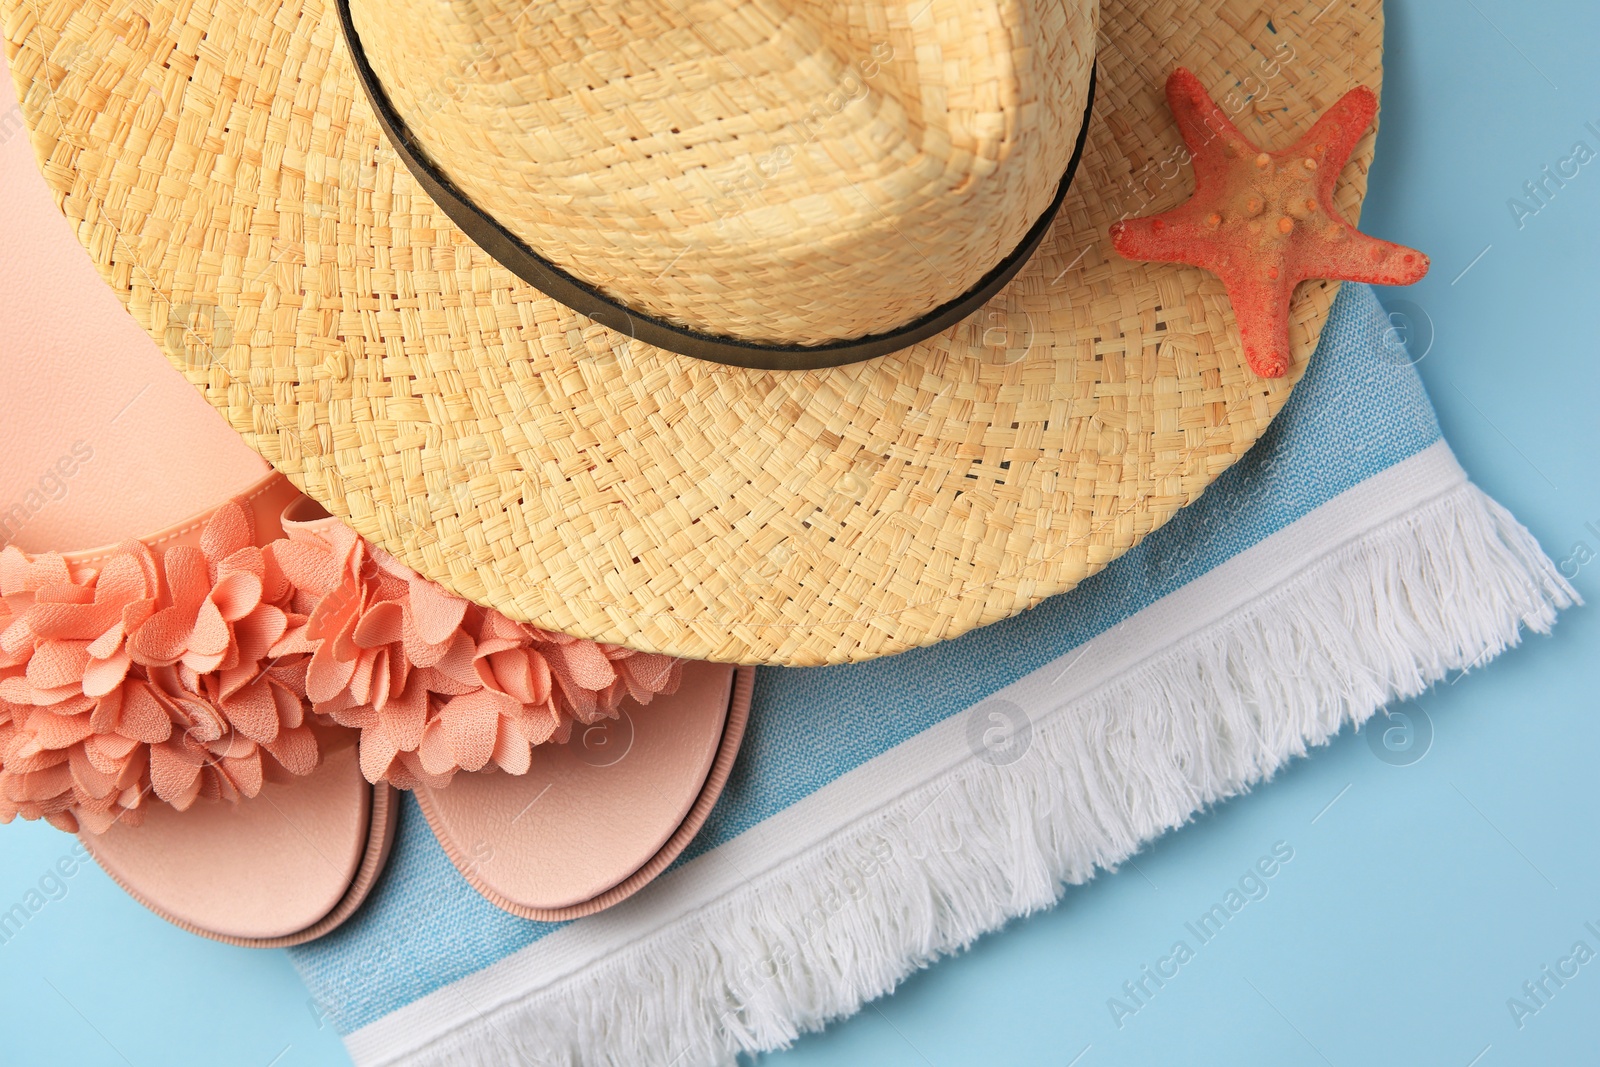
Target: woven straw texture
[(776, 172), (225, 174)]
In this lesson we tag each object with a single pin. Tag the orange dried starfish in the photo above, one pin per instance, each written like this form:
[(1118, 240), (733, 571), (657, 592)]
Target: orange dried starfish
[(1264, 222)]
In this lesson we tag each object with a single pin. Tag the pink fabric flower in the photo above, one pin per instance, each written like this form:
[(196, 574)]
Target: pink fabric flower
[(435, 683), (145, 676)]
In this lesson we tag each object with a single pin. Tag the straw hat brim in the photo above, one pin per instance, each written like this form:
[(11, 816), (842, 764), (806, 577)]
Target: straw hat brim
[(220, 163)]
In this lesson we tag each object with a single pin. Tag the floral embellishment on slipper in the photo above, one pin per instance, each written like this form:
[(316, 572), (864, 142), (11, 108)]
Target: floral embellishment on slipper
[(1264, 222), (435, 683), (187, 674), (145, 675)]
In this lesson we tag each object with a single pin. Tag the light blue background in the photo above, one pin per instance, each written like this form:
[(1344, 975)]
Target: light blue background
[(1415, 904)]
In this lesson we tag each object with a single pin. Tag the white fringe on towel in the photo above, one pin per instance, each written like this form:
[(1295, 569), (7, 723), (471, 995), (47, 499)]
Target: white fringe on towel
[(1444, 588)]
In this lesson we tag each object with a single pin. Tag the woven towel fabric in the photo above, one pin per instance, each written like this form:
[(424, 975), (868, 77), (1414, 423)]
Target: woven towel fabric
[(884, 813)]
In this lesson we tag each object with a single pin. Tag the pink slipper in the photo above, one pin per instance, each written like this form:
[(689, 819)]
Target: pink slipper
[(592, 821), (560, 775), (142, 707)]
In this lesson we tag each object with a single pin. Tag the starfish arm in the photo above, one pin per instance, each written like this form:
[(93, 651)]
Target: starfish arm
[(1205, 129), (1334, 136), (1359, 258), (1261, 308), (1172, 237)]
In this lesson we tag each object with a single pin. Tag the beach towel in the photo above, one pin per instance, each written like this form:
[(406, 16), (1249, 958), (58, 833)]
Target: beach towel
[(884, 814)]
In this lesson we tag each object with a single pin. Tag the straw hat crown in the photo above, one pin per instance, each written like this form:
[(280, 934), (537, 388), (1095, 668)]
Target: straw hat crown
[(779, 171)]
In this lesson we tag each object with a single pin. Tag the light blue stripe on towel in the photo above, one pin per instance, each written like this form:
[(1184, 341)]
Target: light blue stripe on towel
[(1358, 412)]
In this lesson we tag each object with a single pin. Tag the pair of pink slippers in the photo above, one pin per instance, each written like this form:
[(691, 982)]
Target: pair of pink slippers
[(219, 688)]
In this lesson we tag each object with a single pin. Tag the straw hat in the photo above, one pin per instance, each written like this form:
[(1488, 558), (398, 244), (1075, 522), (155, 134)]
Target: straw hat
[(780, 183)]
